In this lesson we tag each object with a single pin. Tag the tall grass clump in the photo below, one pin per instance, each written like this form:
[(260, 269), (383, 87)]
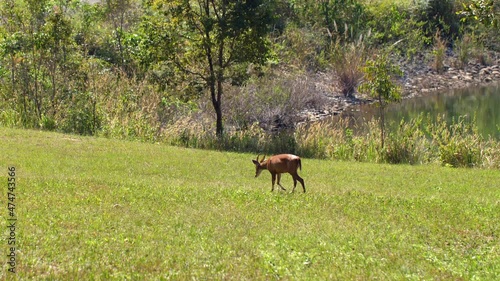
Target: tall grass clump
[(347, 62), (470, 47), (491, 154), (407, 144), (459, 143), (129, 110), (464, 49), (360, 142), (438, 52)]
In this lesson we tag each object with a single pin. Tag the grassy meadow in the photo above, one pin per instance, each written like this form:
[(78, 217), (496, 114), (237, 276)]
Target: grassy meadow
[(100, 209)]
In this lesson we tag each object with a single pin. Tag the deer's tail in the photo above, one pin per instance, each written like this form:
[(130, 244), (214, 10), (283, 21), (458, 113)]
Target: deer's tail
[(300, 165)]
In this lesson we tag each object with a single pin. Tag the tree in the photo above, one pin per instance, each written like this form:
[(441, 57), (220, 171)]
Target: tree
[(121, 14), (57, 32), (379, 84), (483, 11), (211, 37)]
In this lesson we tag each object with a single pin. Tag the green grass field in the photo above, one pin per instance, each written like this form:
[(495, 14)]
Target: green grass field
[(100, 209)]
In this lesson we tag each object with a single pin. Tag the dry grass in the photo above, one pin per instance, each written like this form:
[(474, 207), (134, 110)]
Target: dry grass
[(439, 52), (272, 102), (347, 63)]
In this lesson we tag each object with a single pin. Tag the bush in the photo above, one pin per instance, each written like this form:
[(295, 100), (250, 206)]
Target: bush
[(301, 48), (10, 118), (407, 144), (459, 143), (47, 123), (333, 139), (440, 15), (396, 26)]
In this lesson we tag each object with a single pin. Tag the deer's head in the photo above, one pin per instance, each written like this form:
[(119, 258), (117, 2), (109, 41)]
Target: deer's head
[(259, 165)]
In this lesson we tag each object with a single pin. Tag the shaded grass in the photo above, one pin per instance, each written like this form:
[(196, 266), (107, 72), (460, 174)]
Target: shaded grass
[(92, 208)]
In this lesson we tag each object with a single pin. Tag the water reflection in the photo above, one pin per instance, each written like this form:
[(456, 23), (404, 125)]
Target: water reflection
[(483, 103)]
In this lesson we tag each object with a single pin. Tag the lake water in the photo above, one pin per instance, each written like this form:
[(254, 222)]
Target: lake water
[(483, 103)]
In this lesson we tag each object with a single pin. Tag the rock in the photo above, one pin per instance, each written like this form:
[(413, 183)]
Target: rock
[(484, 71)]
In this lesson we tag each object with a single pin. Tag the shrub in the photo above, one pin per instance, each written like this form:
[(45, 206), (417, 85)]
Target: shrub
[(440, 15), (459, 143), (397, 26), (407, 144), (47, 123), (10, 118), (301, 48)]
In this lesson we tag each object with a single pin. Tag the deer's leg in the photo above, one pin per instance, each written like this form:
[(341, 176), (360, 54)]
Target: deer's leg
[(273, 180), (279, 178), (296, 178), (301, 182)]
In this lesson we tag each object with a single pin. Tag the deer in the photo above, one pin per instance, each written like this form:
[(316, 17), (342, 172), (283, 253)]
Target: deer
[(278, 164)]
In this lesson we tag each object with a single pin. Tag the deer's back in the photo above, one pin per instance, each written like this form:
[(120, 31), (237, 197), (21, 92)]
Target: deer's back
[(283, 163)]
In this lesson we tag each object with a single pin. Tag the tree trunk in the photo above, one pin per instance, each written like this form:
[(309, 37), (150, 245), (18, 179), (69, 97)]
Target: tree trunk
[(216, 94), (382, 122), (219, 127), (218, 109)]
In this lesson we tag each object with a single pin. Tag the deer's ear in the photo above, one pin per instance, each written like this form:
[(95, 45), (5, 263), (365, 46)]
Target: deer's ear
[(255, 162)]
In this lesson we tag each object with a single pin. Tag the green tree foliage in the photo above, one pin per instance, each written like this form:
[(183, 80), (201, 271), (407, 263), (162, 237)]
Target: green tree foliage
[(440, 15), (43, 47), (482, 19), (339, 18), (212, 37), (483, 11), (392, 23), (122, 15)]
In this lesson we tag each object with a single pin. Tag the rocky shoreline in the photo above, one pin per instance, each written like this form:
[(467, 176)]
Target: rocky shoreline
[(419, 79)]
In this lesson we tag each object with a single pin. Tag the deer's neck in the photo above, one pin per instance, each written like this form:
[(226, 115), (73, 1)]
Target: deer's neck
[(263, 165)]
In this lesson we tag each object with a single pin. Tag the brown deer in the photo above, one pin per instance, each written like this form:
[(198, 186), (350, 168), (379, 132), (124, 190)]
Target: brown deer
[(278, 164)]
